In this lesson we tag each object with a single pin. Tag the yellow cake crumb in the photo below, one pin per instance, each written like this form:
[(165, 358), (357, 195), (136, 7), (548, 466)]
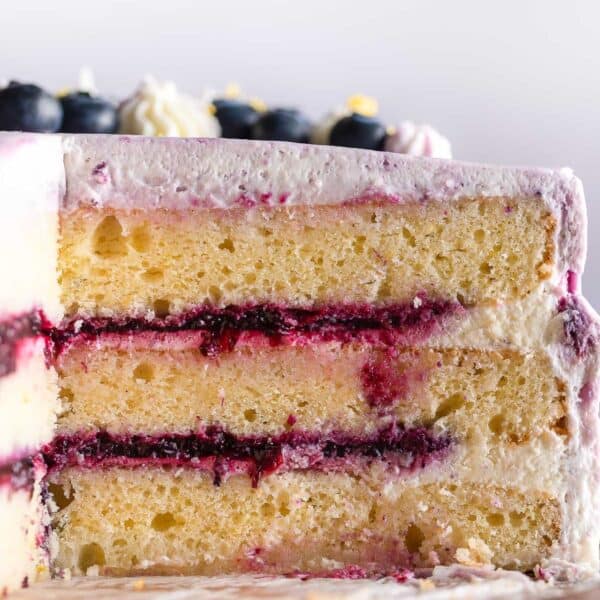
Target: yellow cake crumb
[(472, 251), (477, 554)]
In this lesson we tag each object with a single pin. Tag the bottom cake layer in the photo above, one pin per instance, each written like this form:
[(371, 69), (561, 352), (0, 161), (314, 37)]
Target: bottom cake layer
[(162, 520), (22, 525)]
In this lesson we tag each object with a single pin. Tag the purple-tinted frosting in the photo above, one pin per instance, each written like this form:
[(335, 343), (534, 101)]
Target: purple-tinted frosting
[(580, 326), (19, 475)]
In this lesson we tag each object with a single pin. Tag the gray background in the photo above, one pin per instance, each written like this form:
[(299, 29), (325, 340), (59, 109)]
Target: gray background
[(511, 81)]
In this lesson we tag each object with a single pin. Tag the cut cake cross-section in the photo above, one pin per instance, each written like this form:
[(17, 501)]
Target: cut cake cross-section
[(284, 359)]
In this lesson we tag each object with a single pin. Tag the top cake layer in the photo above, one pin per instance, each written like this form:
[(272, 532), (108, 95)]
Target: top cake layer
[(135, 173)]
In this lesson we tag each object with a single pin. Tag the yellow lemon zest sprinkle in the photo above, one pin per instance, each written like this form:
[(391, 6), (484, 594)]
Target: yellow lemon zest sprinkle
[(362, 105), (63, 91), (257, 104), (232, 90)]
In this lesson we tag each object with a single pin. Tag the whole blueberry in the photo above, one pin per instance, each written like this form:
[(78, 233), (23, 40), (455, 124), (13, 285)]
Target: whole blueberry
[(358, 131), (236, 118), (27, 107), (88, 114), (283, 124)]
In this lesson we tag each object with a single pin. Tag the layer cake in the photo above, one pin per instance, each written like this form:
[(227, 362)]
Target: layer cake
[(284, 358)]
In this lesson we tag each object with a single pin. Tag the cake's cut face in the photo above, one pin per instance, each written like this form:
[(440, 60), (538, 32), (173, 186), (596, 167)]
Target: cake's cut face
[(290, 359), (343, 358)]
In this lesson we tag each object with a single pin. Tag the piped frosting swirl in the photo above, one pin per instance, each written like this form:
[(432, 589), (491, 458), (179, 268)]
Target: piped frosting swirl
[(159, 109), (418, 140)]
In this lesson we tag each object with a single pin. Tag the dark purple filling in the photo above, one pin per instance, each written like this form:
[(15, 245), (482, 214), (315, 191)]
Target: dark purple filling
[(581, 332), (224, 325), (11, 333), (409, 448), (19, 475)]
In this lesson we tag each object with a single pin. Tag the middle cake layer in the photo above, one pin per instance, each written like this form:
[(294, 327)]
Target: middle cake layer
[(115, 383)]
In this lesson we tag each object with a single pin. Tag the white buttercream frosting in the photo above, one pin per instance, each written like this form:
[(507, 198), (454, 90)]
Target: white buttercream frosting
[(31, 186), (87, 81), (418, 140), (159, 109), (28, 397)]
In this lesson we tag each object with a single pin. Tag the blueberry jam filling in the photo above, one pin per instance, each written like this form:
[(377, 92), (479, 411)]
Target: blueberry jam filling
[(20, 475), (410, 448), (11, 333), (224, 325)]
